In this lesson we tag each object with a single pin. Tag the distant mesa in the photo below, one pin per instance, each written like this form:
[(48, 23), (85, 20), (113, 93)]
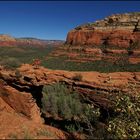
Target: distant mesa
[(5, 37), (119, 30), (7, 40)]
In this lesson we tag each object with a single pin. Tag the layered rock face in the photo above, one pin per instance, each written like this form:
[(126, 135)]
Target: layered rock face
[(120, 30), (7, 40), (18, 90)]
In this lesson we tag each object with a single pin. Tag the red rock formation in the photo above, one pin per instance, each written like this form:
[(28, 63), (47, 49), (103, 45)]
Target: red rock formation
[(36, 77), (21, 102), (121, 30), (20, 115), (18, 104)]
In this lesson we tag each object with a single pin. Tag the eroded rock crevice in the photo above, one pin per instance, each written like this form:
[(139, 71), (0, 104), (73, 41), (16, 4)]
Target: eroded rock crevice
[(36, 92)]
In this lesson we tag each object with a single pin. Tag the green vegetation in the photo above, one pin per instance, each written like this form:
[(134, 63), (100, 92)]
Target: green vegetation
[(28, 135), (70, 128), (58, 100), (61, 102), (123, 122), (45, 132), (98, 65), (13, 57), (104, 47), (134, 46)]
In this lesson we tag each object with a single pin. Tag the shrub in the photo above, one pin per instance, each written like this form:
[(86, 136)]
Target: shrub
[(70, 128), (134, 45), (126, 125), (13, 136), (18, 74), (122, 123), (60, 101), (77, 77), (45, 132), (104, 48), (27, 134)]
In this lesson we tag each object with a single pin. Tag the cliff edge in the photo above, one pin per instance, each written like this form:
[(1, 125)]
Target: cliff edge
[(120, 30)]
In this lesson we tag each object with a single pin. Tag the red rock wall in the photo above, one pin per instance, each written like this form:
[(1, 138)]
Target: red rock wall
[(7, 43), (119, 38)]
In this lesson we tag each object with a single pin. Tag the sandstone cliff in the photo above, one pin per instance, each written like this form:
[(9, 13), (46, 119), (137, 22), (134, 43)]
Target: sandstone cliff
[(120, 30)]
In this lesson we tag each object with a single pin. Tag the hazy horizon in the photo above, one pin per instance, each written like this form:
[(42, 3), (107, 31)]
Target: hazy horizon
[(53, 20)]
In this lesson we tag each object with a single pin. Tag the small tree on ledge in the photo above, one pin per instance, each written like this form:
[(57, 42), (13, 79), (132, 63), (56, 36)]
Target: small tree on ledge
[(36, 63)]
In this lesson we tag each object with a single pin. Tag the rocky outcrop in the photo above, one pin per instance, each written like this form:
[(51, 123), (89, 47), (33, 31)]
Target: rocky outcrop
[(7, 40), (120, 30), (20, 115), (30, 80), (13, 101), (15, 126), (21, 93)]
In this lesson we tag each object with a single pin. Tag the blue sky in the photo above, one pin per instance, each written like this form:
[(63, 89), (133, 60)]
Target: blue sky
[(53, 20)]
